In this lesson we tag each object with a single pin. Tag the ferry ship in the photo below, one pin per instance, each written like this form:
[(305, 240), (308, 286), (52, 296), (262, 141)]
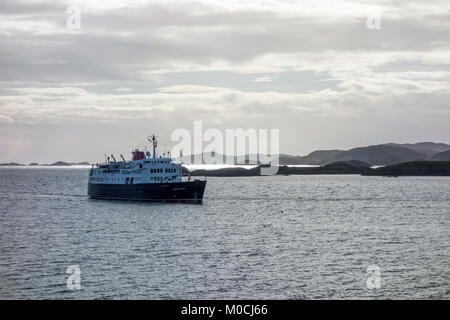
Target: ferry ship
[(145, 178)]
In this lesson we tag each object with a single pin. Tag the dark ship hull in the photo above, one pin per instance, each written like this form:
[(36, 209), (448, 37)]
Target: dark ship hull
[(190, 191)]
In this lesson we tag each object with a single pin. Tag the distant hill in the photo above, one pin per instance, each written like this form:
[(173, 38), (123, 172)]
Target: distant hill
[(11, 164), (227, 172), (319, 157), (58, 164), (427, 148), (382, 154), (354, 163), (442, 156), (415, 168), (66, 164)]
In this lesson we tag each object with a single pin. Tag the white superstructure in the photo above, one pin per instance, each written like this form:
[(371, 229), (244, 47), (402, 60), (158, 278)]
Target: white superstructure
[(141, 169)]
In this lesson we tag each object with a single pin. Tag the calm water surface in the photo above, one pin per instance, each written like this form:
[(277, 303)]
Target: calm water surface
[(282, 237)]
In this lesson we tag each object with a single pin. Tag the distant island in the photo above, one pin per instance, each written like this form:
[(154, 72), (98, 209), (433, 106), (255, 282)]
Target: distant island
[(411, 168), (423, 158), (11, 164), (55, 164), (414, 168), (374, 155)]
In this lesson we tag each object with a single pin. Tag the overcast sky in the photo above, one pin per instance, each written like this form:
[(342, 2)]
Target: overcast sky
[(311, 68)]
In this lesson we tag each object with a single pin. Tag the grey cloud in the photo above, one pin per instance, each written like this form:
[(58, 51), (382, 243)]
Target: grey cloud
[(21, 7), (334, 82), (118, 45)]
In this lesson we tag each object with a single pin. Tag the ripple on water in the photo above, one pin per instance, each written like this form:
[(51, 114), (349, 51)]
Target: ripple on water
[(292, 237)]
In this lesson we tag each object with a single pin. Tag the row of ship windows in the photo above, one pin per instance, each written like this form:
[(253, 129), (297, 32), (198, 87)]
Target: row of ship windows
[(128, 179), (115, 179), (167, 170), (158, 161)]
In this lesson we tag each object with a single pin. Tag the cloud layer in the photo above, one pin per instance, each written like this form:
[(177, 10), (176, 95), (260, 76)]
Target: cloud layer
[(312, 68)]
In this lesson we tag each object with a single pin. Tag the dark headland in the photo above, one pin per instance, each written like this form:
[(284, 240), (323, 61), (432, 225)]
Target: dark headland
[(11, 164), (414, 168)]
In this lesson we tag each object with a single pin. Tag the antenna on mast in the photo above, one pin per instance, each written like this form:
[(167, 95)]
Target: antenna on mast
[(153, 140)]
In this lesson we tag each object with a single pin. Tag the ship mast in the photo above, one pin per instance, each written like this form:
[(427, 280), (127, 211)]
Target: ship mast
[(152, 139)]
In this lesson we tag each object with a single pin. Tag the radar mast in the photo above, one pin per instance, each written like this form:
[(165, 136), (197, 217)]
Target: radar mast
[(153, 140)]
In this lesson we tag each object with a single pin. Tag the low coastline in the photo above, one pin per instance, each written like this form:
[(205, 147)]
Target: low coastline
[(412, 168)]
